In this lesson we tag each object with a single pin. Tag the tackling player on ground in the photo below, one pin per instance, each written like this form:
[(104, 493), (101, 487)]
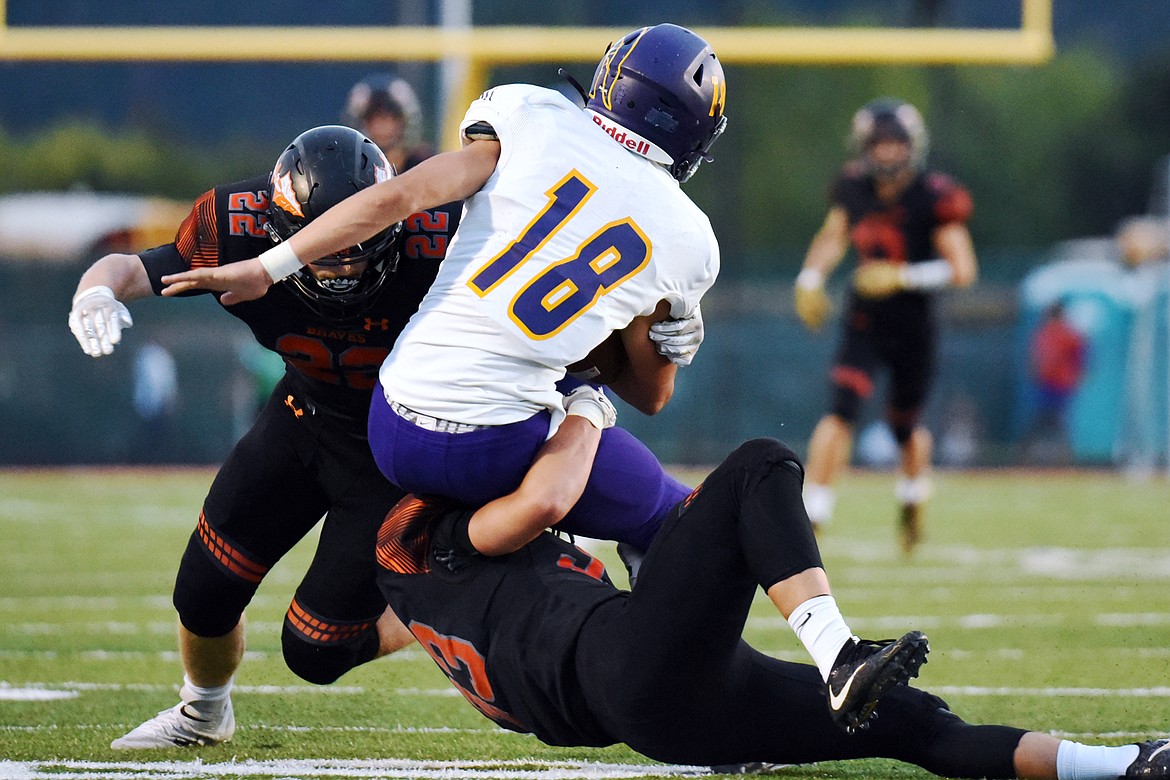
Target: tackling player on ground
[(540, 642), (908, 228)]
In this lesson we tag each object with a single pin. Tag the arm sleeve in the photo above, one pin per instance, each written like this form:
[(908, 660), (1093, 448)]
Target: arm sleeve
[(196, 245)]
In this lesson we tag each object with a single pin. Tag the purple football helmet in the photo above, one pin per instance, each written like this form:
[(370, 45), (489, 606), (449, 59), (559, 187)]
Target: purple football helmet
[(664, 86)]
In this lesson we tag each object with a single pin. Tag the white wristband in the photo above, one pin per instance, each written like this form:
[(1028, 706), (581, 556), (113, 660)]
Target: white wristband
[(280, 261), (810, 279), (931, 275)]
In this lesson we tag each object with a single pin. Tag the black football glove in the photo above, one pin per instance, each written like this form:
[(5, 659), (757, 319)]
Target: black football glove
[(451, 546)]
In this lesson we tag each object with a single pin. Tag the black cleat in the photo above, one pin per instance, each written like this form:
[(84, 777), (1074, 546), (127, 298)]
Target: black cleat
[(1153, 760), (864, 670)]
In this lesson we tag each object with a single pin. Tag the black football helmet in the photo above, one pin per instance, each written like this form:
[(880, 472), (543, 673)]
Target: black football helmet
[(665, 86), (319, 169), (885, 119)]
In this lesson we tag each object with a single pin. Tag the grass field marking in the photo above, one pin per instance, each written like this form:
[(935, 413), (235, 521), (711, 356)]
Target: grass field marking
[(264, 690), (487, 729), (982, 620), (520, 769), (1158, 692)]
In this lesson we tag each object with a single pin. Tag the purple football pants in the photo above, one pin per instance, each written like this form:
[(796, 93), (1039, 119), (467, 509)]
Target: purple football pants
[(626, 499)]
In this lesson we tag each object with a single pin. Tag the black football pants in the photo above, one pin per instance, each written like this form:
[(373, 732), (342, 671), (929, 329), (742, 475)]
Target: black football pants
[(667, 671)]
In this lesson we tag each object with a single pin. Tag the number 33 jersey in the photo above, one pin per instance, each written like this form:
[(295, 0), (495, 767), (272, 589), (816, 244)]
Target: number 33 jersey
[(333, 363), (571, 238)]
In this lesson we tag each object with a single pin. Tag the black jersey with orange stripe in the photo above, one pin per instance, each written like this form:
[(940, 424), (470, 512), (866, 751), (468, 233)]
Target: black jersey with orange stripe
[(503, 629), (334, 364)]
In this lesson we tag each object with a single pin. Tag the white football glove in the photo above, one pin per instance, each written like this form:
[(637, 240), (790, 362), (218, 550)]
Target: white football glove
[(678, 340), (97, 320), (589, 402)]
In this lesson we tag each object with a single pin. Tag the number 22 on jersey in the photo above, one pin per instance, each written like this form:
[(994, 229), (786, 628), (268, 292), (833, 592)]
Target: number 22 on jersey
[(567, 288)]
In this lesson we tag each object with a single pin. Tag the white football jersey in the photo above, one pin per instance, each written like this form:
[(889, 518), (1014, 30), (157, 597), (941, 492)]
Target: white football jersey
[(571, 238)]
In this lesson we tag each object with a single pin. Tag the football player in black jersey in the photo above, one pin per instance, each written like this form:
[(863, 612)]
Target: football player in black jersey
[(307, 454), (540, 641), (908, 228)]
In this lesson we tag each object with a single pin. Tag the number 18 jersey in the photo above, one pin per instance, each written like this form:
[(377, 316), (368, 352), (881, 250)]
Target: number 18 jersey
[(572, 237)]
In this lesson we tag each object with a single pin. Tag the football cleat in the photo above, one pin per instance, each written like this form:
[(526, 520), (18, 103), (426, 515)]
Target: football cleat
[(180, 726), (910, 527), (865, 670), (1153, 760)]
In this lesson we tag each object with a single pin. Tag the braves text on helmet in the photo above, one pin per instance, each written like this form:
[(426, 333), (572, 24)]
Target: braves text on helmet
[(664, 87)]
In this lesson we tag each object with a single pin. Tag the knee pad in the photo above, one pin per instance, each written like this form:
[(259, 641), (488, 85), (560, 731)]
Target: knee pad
[(209, 596), (320, 651), (758, 456)]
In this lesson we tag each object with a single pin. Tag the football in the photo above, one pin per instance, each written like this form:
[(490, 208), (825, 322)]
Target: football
[(604, 363)]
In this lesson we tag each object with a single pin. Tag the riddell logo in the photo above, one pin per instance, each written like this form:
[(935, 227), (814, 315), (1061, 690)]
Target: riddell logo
[(623, 136)]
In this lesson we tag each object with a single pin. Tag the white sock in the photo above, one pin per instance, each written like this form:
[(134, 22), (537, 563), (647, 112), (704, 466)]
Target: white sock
[(1075, 761), (912, 491), (821, 629), (819, 501), (206, 701)]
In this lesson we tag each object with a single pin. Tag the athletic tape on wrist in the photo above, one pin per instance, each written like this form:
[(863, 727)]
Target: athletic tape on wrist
[(280, 261), (591, 410), (930, 275)]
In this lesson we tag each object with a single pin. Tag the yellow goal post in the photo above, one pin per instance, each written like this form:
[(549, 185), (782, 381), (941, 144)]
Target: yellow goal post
[(479, 48)]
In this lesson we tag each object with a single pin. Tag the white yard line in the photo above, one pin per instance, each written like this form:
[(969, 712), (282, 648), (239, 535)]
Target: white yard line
[(380, 768)]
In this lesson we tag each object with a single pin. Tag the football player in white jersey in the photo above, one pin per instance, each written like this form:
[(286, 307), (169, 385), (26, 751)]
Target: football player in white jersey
[(574, 227)]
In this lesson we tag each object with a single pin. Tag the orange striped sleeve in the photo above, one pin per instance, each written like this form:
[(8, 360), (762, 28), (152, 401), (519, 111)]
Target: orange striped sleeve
[(198, 236)]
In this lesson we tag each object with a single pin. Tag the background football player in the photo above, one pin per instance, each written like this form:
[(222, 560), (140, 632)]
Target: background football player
[(908, 228), (386, 109), (307, 455)]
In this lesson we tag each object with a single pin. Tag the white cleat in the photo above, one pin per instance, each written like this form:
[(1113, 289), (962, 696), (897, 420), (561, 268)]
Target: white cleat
[(180, 726)]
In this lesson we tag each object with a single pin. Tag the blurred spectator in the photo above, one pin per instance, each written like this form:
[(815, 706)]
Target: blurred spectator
[(155, 398), (1142, 240), (386, 110), (1057, 355)]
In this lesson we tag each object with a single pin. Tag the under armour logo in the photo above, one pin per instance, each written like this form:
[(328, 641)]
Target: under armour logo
[(384, 324), (292, 405)]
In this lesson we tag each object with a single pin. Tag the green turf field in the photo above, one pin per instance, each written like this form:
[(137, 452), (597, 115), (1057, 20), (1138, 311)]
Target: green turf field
[(1046, 598)]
